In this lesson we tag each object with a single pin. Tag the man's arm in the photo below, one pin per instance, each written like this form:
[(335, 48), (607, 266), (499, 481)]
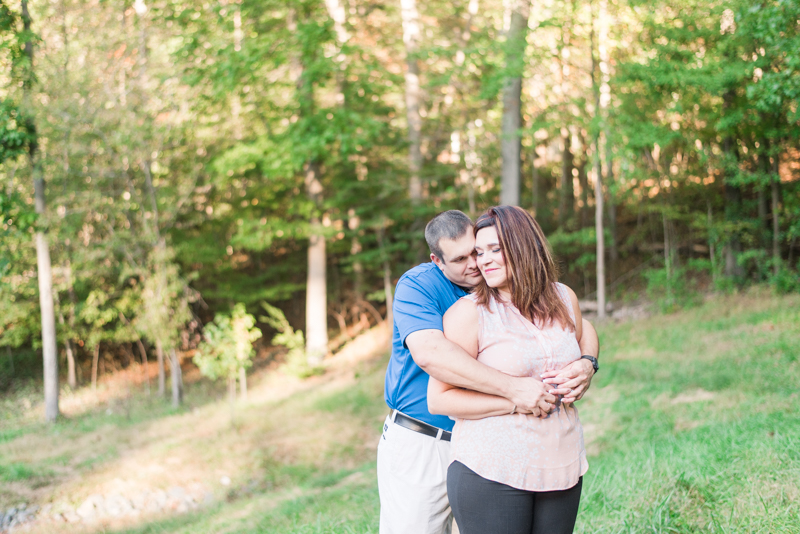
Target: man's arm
[(460, 325), (449, 363)]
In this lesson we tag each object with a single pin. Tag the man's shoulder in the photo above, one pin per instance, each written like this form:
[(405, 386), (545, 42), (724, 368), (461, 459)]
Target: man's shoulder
[(424, 274)]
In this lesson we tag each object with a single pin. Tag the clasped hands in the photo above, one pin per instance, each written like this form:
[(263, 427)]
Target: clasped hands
[(535, 397)]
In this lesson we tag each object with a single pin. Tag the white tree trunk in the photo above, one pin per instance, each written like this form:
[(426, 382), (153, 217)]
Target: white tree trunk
[(161, 376), (411, 38), (599, 78), (316, 301), (243, 383), (512, 102), (236, 101), (43, 265), (177, 378), (95, 360)]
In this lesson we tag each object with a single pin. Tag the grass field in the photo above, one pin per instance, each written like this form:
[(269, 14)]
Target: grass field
[(692, 425)]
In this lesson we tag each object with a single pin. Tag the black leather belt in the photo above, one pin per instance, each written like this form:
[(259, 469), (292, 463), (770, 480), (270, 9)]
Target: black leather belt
[(418, 426)]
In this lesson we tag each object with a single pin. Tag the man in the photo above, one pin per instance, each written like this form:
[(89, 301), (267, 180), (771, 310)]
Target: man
[(414, 450)]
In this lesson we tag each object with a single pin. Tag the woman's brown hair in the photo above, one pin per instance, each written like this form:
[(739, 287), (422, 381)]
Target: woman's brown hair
[(532, 273)]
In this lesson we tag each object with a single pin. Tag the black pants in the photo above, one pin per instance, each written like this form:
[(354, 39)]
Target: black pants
[(482, 506)]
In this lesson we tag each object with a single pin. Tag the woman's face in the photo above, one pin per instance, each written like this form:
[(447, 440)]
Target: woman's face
[(490, 259)]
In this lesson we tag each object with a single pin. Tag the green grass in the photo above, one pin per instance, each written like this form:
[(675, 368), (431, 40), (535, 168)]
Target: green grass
[(726, 462), (667, 459), (693, 426), (15, 471)]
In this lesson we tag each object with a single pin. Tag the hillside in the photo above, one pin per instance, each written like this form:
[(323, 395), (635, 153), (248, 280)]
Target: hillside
[(692, 425)]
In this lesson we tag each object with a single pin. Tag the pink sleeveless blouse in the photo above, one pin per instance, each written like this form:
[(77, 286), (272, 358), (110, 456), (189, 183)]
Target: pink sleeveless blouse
[(524, 451)]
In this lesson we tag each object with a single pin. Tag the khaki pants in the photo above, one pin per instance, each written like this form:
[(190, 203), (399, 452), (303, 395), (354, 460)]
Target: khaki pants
[(412, 482)]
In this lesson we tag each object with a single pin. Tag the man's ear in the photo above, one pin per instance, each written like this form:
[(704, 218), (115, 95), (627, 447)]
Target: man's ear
[(435, 259)]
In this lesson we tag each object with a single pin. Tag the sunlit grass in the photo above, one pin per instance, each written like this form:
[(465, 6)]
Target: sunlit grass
[(692, 425)]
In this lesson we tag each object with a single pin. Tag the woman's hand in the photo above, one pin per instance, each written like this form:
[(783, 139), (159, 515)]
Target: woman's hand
[(572, 381)]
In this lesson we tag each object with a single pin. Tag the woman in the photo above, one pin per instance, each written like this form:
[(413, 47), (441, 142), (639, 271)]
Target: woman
[(513, 473)]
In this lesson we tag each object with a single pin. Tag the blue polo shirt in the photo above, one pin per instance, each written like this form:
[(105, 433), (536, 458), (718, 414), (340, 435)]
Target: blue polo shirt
[(422, 296)]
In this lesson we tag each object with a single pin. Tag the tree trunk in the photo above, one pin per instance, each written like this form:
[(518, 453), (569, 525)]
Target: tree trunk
[(611, 205), (471, 162), (95, 361), (69, 354), (316, 284), (10, 359), (145, 369), (43, 265), (236, 101), (598, 176), (177, 378), (161, 378), (667, 256), (387, 276), (583, 180), (733, 200), (243, 383), (232, 397), (776, 229), (511, 142), (72, 381), (535, 200), (411, 39), (712, 251), (566, 192)]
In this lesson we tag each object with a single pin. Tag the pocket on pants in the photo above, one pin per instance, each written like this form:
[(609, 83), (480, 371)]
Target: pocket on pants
[(413, 457)]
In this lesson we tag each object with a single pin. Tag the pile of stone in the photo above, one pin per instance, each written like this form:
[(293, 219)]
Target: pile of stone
[(115, 505), (18, 515)]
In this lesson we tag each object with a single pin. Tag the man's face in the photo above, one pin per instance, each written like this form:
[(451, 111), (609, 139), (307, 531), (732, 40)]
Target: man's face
[(458, 261)]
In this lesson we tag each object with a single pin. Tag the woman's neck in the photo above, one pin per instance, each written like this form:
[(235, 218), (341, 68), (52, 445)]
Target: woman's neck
[(505, 294)]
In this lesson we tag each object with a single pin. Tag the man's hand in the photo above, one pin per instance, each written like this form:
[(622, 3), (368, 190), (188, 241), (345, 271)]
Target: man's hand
[(530, 396), (572, 381)]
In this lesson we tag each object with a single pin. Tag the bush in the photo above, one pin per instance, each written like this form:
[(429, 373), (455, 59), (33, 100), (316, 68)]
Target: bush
[(296, 361), (679, 289), (787, 280)]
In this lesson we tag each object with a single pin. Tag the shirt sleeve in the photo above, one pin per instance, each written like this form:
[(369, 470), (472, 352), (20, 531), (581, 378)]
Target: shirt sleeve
[(415, 309)]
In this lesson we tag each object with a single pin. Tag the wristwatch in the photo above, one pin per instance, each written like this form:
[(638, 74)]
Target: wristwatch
[(593, 360)]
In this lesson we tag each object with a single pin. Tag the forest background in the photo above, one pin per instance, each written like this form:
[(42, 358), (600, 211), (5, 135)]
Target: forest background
[(207, 161)]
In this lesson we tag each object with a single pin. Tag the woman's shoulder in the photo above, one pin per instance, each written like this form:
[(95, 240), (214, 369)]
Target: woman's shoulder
[(465, 309), (565, 291)]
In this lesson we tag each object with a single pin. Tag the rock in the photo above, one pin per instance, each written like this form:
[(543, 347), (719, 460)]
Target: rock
[(139, 500), (91, 508), (71, 517), (116, 505), (156, 501), (208, 498), (176, 492), (225, 481)]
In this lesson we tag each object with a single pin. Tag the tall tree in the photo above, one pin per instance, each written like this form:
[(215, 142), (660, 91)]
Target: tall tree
[(44, 268), (413, 93), (599, 82), (511, 142)]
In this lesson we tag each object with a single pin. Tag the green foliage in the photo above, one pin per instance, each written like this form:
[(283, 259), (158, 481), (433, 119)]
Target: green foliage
[(228, 344), (14, 137), (787, 279), (296, 361), (676, 289)]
